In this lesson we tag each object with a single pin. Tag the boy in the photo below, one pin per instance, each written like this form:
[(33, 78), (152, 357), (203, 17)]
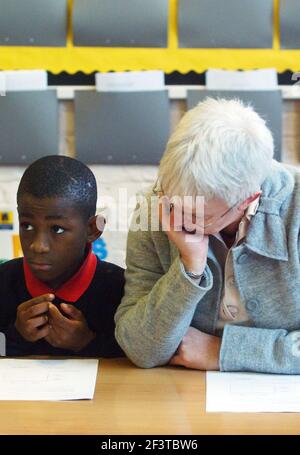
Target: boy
[(59, 299)]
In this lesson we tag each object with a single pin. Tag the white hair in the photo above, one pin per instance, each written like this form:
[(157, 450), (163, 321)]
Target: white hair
[(220, 149)]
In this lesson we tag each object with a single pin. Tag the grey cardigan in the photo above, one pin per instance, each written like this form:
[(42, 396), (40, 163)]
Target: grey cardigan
[(161, 301)]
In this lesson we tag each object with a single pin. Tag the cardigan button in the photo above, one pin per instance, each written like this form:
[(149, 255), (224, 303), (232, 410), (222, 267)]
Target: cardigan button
[(252, 305), (242, 258)]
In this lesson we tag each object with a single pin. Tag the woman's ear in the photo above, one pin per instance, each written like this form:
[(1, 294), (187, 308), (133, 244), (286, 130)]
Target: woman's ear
[(96, 225), (242, 207)]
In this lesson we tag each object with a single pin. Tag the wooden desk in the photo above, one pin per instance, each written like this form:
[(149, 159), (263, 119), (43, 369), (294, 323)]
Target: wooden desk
[(129, 400)]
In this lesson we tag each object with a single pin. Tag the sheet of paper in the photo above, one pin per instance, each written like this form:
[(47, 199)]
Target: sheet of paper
[(113, 128), (33, 23), (28, 126), (22, 81), (265, 79), (120, 23), (50, 380), (225, 24), (133, 81), (252, 392), (290, 24)]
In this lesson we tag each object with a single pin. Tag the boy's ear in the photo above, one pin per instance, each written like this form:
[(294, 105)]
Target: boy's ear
[(242, 207), (95, 228)]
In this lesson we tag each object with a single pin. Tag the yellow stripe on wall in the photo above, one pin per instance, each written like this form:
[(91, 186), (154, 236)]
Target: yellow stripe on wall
[(89, 59)]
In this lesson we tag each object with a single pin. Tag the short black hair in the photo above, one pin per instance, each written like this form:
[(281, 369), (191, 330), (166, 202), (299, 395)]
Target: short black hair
[(60, 176)]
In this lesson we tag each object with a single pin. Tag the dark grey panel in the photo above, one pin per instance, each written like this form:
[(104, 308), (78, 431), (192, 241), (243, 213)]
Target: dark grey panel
[(290, 24), (121, 23), (121, 128), (28, 126), (268, 104), (33, 22), (226, 23)]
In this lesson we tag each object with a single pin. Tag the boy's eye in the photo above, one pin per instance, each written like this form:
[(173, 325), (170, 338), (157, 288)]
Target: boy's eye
[(58, 229), (27, 227)]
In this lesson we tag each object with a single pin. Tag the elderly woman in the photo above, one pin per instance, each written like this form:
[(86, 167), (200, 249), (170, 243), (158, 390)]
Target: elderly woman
[(229, 299)]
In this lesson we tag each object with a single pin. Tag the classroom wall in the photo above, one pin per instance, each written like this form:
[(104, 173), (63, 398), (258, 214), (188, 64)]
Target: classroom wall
[(134, 178)]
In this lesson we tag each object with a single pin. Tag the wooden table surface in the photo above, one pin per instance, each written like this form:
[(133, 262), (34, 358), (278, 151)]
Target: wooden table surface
[(129, 400)]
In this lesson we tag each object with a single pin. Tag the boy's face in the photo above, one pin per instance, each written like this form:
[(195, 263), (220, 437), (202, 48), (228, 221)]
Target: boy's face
[(53, 236)]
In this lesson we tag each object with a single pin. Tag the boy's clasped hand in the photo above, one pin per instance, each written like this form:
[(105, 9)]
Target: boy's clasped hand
[(63, 327)]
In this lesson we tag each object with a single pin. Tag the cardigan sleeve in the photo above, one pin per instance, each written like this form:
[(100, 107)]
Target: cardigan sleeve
[(158, 306)]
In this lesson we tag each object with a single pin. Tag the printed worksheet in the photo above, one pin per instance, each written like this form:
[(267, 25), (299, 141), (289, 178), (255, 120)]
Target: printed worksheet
[(252, 392), (51, 380)]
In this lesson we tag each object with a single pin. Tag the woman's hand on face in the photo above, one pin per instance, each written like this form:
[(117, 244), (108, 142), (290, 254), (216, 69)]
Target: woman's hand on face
[(193, 247)]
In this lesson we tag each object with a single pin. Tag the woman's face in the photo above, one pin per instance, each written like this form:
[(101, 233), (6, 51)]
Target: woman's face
[(209, 218)]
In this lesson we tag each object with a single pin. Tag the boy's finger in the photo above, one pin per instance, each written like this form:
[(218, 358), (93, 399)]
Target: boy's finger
[(36, 300), (41, 333), (56, 316), (38, 322), (71, 311), (37, 310)]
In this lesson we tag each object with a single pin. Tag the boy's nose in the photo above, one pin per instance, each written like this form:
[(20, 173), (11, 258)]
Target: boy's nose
[(40, 245)]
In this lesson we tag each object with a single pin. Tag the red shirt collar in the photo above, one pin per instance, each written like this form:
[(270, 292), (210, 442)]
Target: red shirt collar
[(72, 289)]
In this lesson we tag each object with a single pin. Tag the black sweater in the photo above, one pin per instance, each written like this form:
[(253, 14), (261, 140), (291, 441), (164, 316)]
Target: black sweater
[(98, 305)]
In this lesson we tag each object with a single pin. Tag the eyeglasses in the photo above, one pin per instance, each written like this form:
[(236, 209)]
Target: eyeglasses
[(220, 217), (157, 190)]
